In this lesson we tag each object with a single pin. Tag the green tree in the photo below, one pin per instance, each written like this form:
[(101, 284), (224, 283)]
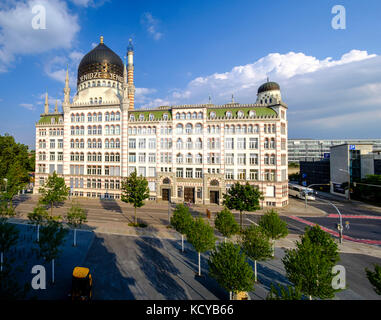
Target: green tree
[(135, 190), (8, 237), (201, 237), (321, 238), (9, 287), (52, 237), (181, 220), (75, 217), (225, 223), (38, 217), (228, 265), (310, 268), (280, 292), (374, 278), (273, 226), (15, 164), (242, 198), (53, 191), (256, 245)]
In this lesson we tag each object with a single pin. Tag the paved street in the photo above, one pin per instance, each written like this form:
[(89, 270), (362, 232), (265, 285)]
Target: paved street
[(145, 263), (130, 267)]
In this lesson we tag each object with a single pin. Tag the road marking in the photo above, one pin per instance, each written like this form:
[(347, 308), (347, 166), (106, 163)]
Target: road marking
[(252, 221), (353, 216), (336, 234)]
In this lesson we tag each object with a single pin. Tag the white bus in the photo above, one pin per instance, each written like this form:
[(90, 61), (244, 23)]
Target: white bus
[(300, 192)]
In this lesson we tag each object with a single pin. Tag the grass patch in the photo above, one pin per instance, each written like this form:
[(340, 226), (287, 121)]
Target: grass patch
[(137, 225)]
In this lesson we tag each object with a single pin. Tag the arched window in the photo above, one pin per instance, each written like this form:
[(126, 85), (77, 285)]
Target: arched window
[(212, 115), (198, 128), (194, 115), (189, 158), (132, 117), (151, 116), (179, 144), (251, 113), (179, 128), (112, 116), (117, 116), (178, 115), (107, 116), (199, 158), (228, 114), (200, 115), (165, 116), (188, 128), (179, 158), (240, 114)]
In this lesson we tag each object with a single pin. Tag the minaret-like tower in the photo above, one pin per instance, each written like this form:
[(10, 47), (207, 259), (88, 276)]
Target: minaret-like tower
[(66, 102), (46, 110), (56, 107), (130, 75)]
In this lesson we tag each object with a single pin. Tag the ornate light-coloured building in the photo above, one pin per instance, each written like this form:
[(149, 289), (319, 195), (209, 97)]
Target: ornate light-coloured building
[(186, 152)]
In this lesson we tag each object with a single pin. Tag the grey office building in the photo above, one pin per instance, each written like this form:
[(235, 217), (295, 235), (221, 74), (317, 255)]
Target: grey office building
[(315, 150)]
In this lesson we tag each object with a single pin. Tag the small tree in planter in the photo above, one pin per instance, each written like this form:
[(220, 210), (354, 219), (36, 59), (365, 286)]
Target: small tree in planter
[(273, 226), (201, 236), (310, 267), (228, 265), (52, 237), (242, 198), (181, 220), (37, 217), (256, 245), (225, 223), (75, 217), (53, 191), (135, 190)]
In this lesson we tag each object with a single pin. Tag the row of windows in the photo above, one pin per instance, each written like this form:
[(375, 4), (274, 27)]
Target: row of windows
[(95, 130), (108, 157), (95, 117), (99, 84), (95, 184)]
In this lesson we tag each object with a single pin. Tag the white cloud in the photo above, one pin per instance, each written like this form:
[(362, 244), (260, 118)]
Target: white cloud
[(89, 3), (28, 106), (56, 68), (326, 98), (18, 37), (151, 25)]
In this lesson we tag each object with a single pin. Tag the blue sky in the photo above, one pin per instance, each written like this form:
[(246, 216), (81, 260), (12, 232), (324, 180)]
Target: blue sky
[(186, 50)]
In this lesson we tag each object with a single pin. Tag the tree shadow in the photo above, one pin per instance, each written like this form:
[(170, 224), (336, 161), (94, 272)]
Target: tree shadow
[(110, 280), (158, 269), (111, 205)]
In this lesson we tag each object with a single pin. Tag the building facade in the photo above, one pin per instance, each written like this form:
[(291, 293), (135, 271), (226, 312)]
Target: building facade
[(187, 153), (315, 150)]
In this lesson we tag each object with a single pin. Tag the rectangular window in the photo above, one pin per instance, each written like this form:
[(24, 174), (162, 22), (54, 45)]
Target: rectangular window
[(229, 143), (198, 173), (60, 144), (152, 172), (52, 144), (253, 158), (132, 143), (179, 172), (189, 172), (229, 174)]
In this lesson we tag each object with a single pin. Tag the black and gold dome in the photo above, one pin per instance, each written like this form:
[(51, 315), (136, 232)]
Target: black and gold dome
[(268, 86), (100, 63)]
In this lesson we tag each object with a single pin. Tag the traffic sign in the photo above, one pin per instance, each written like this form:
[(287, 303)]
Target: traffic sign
[(352, 147)]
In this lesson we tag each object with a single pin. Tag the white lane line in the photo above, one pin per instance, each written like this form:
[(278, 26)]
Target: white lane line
[(252, 221)]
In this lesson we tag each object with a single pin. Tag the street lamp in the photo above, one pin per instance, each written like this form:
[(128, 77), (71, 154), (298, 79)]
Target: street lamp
[(340, 217)]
